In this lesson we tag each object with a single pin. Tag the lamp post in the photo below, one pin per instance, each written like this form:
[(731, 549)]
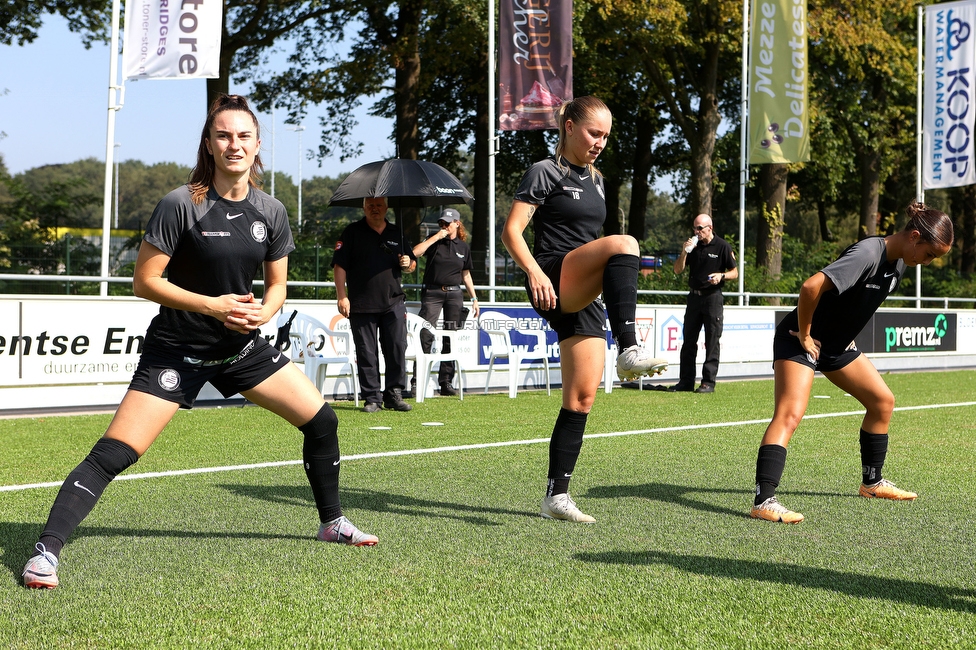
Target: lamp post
[(272, 150), (117, 146), (299, 128)]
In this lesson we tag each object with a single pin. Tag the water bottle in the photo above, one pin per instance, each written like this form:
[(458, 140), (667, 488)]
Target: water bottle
[(694, 242)]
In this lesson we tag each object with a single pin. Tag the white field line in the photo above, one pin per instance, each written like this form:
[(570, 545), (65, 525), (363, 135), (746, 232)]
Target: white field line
[(484, 445)]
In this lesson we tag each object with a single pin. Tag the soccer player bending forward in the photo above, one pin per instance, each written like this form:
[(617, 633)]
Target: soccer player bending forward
[(834, 306)]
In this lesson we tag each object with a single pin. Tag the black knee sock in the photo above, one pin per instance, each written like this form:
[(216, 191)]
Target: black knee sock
[(564, 449), (620, 298), (769, 469), (874, 448), (82, 489), (320, 454)]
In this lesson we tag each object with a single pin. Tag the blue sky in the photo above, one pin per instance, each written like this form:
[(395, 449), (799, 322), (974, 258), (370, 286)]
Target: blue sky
[(54, 109)]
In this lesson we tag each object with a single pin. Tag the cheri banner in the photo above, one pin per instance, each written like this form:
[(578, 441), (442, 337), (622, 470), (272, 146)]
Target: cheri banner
[(947, 114), (165, 39), (535, 62), (778, 100)]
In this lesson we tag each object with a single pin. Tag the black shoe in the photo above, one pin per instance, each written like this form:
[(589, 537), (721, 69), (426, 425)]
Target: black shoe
[(412, 391), (681, 388), (448, 391), (394, 401), (705, 388), (372, 407)]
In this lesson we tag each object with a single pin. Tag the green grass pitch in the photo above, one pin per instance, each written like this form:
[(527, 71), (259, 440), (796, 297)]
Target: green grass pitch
[(227, 559)]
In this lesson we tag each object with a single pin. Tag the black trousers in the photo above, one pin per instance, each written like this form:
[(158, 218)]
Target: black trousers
[(432, 302), (392, 328), (702, 311)]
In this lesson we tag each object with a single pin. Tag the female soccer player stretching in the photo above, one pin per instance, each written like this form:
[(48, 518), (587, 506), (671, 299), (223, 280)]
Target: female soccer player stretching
[(834, 306), (565, 274), (202, 248)]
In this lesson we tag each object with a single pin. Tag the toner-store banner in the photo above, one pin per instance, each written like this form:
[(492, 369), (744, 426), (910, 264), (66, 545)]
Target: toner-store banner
[(948, 92), (535, 62), (172, 40), (778, 102)]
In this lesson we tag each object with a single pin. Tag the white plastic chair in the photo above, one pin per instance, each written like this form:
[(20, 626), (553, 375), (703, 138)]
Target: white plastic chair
[(609, 368), (425, 360), (313, 345), (501, 347)]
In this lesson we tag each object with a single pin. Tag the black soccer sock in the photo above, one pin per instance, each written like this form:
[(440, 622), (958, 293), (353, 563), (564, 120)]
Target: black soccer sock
[(320, 454), (564, 449), (620, 298), (874, 448), (770, 464), (82, 489)]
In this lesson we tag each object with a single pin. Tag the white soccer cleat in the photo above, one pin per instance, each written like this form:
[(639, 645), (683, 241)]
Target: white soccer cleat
[(635, 362), (562, 506)]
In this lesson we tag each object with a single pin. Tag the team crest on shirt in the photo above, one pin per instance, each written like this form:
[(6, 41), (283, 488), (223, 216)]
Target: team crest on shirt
[(259, 231), (169, 380), (338, 245)]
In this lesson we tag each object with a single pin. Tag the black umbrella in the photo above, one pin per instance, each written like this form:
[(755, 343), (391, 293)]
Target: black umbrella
[(405, 183)]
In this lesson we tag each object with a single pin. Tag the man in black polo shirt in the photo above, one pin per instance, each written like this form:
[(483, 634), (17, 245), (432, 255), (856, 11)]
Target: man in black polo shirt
[(710, 262), (370, 256)]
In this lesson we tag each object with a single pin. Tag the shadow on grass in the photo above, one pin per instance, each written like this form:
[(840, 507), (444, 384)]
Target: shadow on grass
[(17, 539), (850, 584), (380, 502), (679, 495)]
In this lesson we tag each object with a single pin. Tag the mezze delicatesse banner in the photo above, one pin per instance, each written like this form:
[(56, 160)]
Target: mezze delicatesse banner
[(535, 62), (778, 103)]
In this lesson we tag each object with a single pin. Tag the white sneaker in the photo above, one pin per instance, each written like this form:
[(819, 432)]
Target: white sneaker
[(562, 506), (635, 362)]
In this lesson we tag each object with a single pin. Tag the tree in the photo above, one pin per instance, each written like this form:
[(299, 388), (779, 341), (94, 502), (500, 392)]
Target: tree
[(862, 57), (692, 51), (20, 19)]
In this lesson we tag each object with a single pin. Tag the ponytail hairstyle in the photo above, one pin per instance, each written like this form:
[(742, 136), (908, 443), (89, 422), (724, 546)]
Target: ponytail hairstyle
[(462, 233), (201, 177), (580, 110), (935, 227)]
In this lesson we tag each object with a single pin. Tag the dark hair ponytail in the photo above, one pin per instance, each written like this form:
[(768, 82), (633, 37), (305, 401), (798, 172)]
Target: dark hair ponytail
[(934, 226)]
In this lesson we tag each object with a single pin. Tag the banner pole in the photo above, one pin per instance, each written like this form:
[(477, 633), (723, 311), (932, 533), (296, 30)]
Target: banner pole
[(744, 153), (114, 104), (492, 278), (919, 135)]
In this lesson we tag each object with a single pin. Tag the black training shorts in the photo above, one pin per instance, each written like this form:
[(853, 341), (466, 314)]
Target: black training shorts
[(179, 379), (788, 348), (589, 321)]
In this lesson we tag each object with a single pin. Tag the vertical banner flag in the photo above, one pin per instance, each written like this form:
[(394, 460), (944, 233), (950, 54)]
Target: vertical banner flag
[(165, 39), (535, 62), (948, 91), (779, 116)]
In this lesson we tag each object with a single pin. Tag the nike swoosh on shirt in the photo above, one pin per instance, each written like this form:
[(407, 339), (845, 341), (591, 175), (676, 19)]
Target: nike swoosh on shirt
[(234, 216), (276, 357), (888, 275)]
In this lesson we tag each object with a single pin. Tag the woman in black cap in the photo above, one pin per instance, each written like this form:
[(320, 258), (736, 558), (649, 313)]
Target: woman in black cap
[(448, 268)]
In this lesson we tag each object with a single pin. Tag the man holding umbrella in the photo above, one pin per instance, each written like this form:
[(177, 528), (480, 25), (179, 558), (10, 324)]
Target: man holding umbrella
[(370, 256)]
